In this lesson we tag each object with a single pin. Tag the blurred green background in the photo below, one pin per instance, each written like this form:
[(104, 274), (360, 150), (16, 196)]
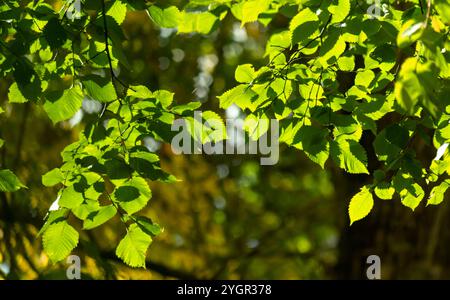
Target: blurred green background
[(229, 217)]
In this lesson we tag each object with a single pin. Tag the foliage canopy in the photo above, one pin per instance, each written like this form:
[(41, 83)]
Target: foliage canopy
[(331, 76)]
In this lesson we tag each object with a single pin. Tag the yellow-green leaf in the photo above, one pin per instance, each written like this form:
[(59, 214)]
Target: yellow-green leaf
[(360, 205), (59, 240), (133, 247)]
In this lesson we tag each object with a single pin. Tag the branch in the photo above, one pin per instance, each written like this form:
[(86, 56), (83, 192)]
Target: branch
[(108, 53), (161, 269), (106, 35)]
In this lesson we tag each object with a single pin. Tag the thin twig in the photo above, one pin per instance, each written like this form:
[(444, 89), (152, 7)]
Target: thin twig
[(421, 6), (427, 18), (106, 36), (114, 78)]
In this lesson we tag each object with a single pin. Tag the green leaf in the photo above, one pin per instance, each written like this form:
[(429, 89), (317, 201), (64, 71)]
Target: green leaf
[(241, 95), (340, 9), (164, 97), (62, 106), (59, 240), (304, 25), (360, 205), (346, 128), (443, 9), (9, 182), (252, 9), (148, 226), (314, 142), (245, 73), (15, 95), (70, 197), (52, 177), (437, 193), (384, 191), (54, 216), (206, 127), (311, 90), (383, 57), (132, 194), (165, 18), (256, 125), (86, 208), (409, 33), (180, 109), (117, 169), (54, 33), (410, 192), (202, 22), (346, 63), (408, 89), (364, 78), (390, 141), (118, 11), (412, 196), (133, 247), (143, 155), (289, 131), (99, 88), (214, 127), (91, 185), (376, 107), (417, 84), (97, 218), (276, 42), (350, 156), (332, 47), (145, 163), (139, 91)]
